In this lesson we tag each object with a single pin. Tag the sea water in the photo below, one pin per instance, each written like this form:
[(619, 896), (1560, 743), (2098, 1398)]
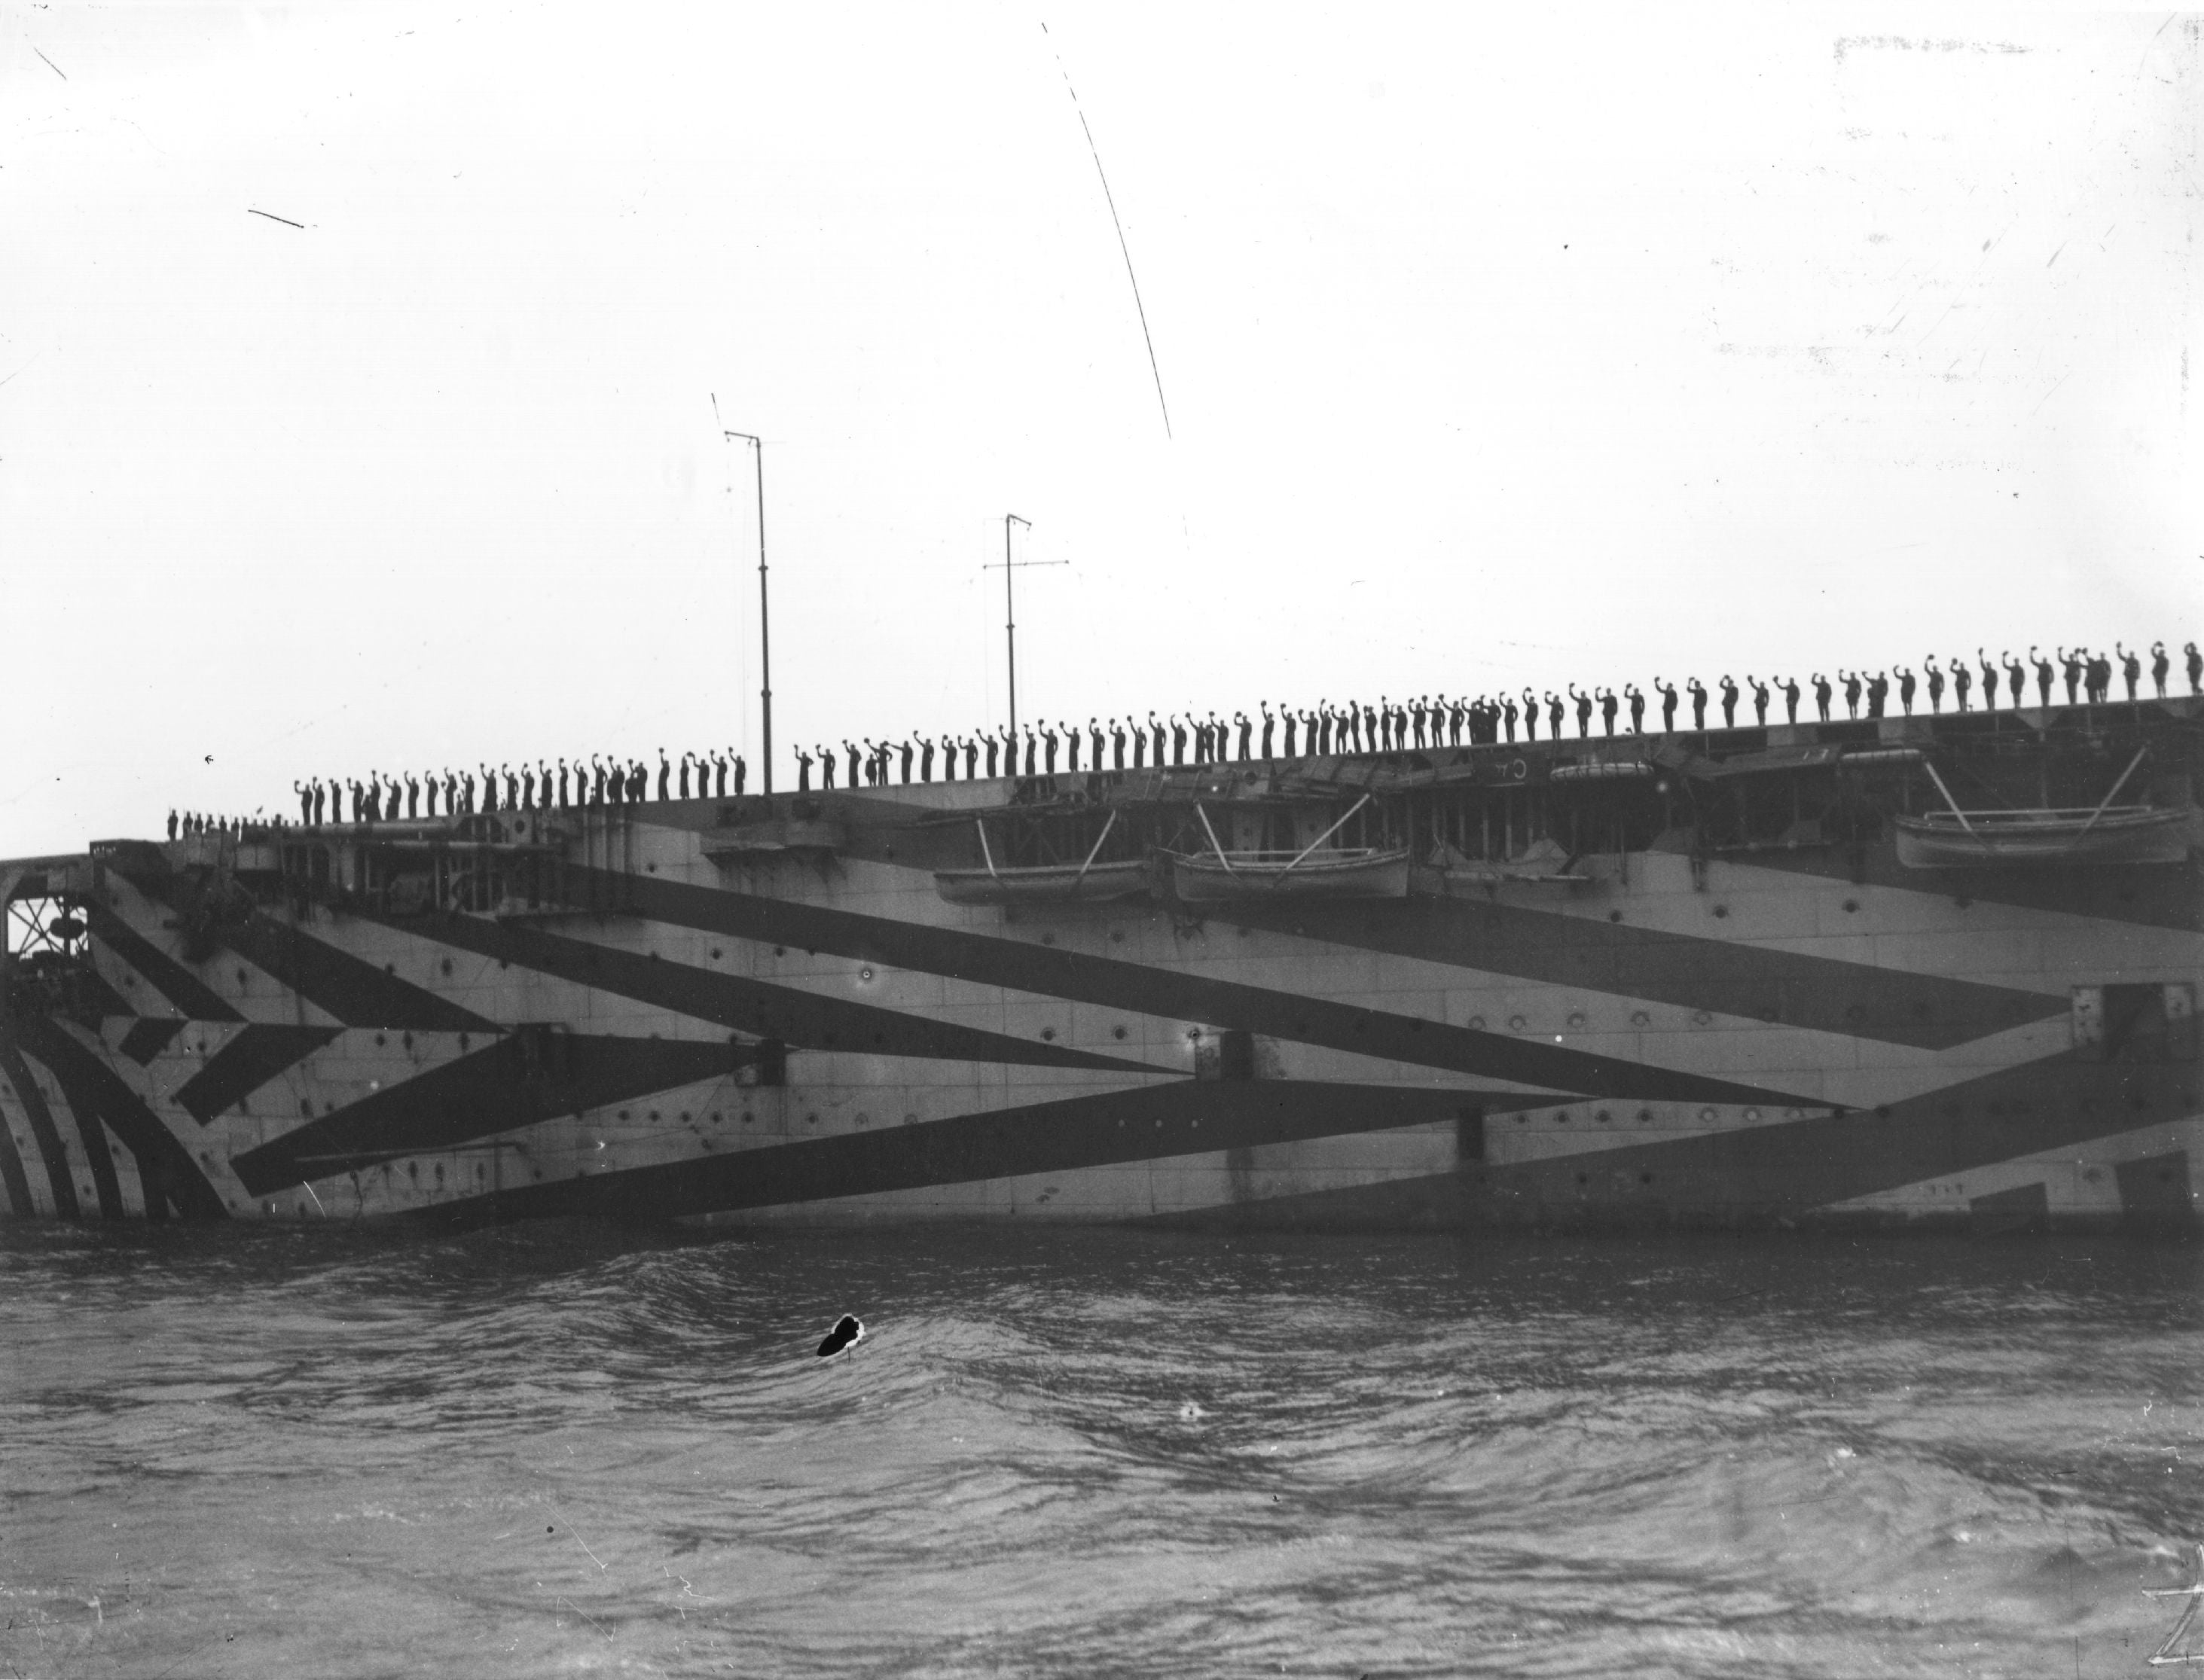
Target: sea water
[(576, 1449)]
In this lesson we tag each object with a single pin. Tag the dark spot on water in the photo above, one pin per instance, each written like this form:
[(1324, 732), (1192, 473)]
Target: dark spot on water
[(847, 1331)]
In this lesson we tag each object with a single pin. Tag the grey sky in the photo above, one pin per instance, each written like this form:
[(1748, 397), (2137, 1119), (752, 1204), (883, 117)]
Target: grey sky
[(1500, 349)]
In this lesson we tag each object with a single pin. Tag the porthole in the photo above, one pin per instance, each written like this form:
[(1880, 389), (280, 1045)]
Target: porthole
[(1605, 1118), (1578, 1019), (1048, 1033), (1516, 1022), (1752, 1114), (1117, 1033), (445, 966), (1645, 1116), (1048, 938), (864, 973), (1476, 1023), (1851, 905), (1614, 915), (380, 1041), (1707, 1116), (1721, 911), (748, 1118)]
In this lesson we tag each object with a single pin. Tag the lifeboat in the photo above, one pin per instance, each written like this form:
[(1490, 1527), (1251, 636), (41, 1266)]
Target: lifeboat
[(1361, 871), (1045, 882), (2115, 834), (1218, 877)]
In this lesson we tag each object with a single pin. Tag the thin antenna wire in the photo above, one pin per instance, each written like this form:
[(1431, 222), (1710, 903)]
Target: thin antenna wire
[(1110, 199)]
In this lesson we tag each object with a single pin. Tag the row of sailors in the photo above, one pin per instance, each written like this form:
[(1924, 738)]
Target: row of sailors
[(1436, 721), (542, 787), (1429, 721)]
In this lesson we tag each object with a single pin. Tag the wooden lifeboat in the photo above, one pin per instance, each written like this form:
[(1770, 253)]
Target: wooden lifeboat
[(1045, 883), (1953, 838), (2116, 834), (1218, 877)]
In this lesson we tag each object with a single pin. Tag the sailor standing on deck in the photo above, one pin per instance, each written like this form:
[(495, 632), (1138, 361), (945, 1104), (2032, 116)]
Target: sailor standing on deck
[(2076, 668), (1935, 683), (1962, 678), (1760, 692), (802, 771), (1667, 705), (2043, 675), (1636, 696), (1698, 693), (1905, 689), (1791, 698), (1728, 701), (2195, 668), (2159, 665), (2130, 670), (1878, 690)]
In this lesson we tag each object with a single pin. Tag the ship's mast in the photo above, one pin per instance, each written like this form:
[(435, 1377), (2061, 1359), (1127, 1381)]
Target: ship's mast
[(1010, 612), (765, 630)]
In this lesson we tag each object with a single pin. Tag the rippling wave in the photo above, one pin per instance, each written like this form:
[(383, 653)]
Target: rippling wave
[(570, 1448)]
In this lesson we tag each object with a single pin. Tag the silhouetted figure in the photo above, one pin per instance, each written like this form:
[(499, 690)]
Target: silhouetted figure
[(1905, 689), (1728, 701), (1636, 696), (2195, 668), (2043, 677), (665, 776), (1553, 715), (1048, 748), (1791, 698), (2130, 670), (1962, 678), (1760, 693), (1853, 688), (172, 822), (1667, 705), (1529, 715), (1935, 677), (2016, 683), (1822, 693), (971, 759), (848, 1331), (802, 771), (1583, 702), (2097, 679), (2159, 665), (826, 766), (904, 756), (1878, 691), (2071, 662), (1698, 693)]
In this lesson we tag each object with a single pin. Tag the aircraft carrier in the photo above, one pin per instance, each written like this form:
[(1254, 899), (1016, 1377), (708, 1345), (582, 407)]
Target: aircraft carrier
[(1885, 972)]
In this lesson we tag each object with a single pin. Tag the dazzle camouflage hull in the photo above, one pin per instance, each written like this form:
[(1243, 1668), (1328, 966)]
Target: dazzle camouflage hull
[(1671, 981)]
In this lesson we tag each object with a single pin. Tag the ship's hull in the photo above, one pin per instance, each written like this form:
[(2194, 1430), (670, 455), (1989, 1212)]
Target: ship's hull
[(662, 1026)]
